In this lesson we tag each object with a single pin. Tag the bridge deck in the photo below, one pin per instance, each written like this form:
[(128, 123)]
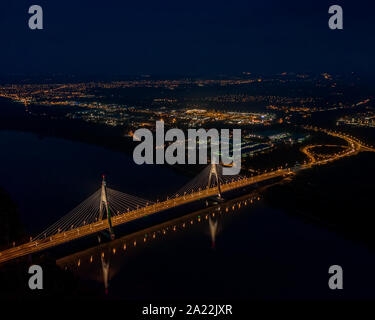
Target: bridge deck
[(63, 237)]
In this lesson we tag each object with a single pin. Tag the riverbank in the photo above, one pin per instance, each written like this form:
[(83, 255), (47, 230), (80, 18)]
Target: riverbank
[(338, 196)]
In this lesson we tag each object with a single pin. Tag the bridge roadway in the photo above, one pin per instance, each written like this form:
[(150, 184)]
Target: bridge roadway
[(63, 237)]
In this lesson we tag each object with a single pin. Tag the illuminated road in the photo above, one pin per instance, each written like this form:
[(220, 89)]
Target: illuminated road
[(353, 148)]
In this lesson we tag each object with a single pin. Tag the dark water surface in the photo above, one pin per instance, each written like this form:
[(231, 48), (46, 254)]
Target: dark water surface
[(47, 177), (259, 252)]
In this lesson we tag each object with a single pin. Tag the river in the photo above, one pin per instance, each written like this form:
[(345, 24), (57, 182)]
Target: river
[(259, 252)]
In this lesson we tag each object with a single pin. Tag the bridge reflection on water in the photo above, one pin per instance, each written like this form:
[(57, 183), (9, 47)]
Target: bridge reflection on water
[(103, 262)]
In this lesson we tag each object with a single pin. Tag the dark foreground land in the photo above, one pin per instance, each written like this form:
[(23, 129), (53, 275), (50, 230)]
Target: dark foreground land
[(338, 196)]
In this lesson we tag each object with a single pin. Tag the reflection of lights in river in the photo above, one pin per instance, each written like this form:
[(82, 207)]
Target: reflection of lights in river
[(213, 229), (105, 269), (175, 226)]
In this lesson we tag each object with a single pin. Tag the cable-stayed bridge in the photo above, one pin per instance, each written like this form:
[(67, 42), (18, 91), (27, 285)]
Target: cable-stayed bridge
[(107, 208)]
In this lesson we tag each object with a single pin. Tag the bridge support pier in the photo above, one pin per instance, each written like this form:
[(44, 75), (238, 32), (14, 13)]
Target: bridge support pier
[(104, 207), (213, 172)]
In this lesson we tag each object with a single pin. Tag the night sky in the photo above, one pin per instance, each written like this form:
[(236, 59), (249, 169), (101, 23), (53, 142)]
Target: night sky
[(185, 37)]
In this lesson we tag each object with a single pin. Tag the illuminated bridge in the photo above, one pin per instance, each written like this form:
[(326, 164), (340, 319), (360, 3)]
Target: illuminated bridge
[(107, 208)]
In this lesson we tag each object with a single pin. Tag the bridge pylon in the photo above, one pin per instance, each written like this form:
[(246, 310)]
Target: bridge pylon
[(214, 172), (104, 207)]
